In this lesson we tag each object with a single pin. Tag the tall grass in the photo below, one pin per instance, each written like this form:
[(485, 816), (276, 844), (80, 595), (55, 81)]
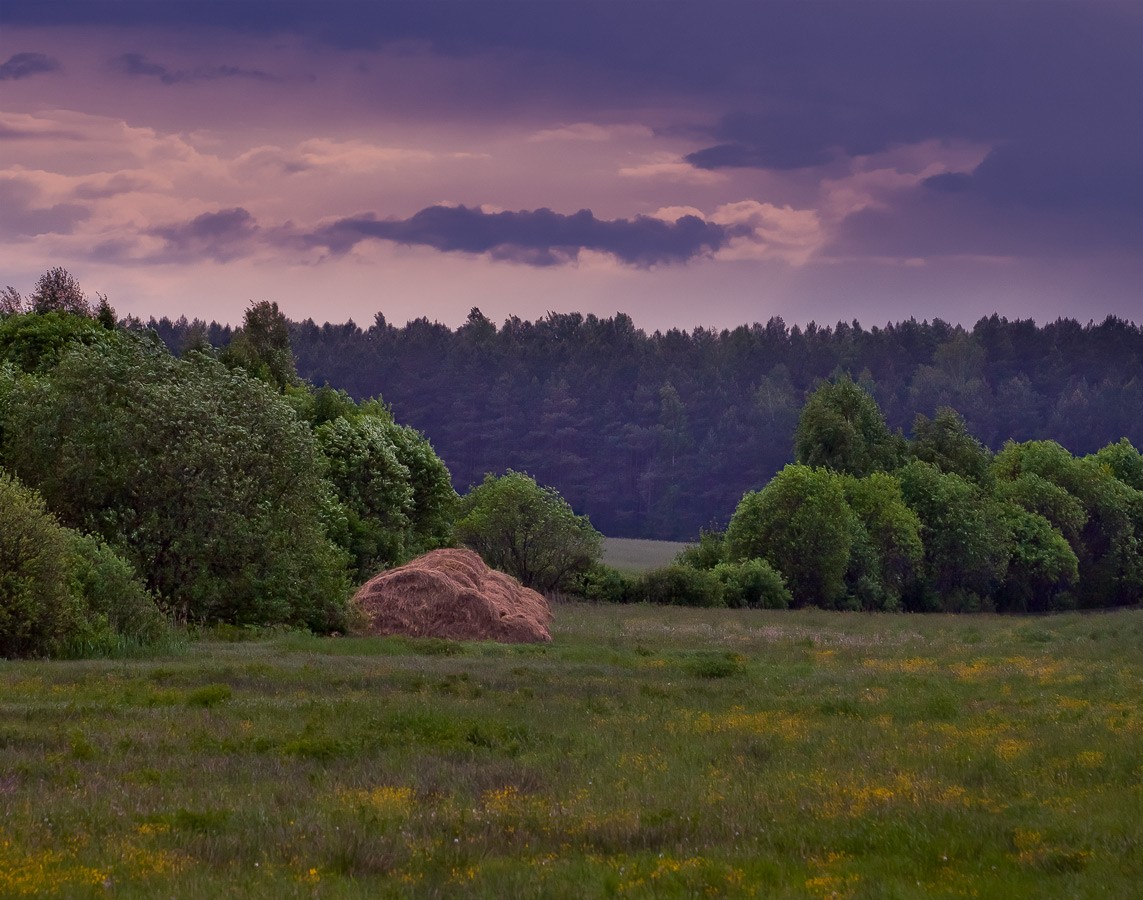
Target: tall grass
[(645, 752)]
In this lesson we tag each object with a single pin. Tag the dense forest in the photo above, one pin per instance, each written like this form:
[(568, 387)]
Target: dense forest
[(657, 435)]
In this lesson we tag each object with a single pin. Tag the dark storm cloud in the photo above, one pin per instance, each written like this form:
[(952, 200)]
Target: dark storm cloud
[(535, 237), (222, 236), (24, 65), (138, 65), (23, 219)]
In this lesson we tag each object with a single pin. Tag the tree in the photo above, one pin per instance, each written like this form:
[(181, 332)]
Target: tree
[(1110, 536), (887, 549), (800, 524), (374, 487), (262, 346), (203, 478), (526, 530), (966, 540), (946, 442), (1042, 567), (58, 291), (841, 428), (11, 302)]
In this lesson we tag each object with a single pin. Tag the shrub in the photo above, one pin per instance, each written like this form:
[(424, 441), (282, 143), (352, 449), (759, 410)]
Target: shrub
[(528, 531), (63, 593), (38, 610), (707, 553), (754, 584), (606, 584), (682, 586), (119, 608)]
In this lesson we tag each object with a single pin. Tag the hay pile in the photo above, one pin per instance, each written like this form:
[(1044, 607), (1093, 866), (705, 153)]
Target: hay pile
[(453, 594)]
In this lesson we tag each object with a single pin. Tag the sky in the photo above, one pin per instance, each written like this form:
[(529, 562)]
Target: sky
[(691, 164)]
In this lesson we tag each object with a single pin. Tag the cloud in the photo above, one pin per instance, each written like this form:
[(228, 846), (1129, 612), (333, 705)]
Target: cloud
[(589, 131), (534, 237), (24, 65), (221, 236), (24, 217), (137, 65), (670, 169)]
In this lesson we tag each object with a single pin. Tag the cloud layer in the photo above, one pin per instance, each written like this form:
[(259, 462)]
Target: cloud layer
[(791, 151)]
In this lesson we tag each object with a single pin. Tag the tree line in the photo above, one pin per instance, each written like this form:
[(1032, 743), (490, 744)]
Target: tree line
[(659, 434), (866, 519)]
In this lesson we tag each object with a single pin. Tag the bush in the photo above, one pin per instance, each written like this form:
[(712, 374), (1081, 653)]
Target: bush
[(119, 609), (38, 611), (754, 584), (707, 553), (528, 531), (606, 584), (63, 593), (682, 586)]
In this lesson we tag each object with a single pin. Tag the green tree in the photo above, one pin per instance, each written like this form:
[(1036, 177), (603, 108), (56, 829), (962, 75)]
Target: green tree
[(887, 551), (1123, 461), (262, 346), (841, 428), (373, 485), (1042, 567), (35, 343), (1108, 544), (946, 442), (202, 478), (966, 541), (526, 530), (800, 524)]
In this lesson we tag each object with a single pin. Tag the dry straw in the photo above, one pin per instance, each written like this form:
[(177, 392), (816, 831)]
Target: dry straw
[(453, 594)]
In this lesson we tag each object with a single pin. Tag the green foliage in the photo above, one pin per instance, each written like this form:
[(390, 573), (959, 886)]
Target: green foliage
[(1124, 462), (842, 428), (434, 500), (801, 524), (1042, 567), (752, 583), (39, 613), (1108, 543), (526, 530), (945, 442), (201, 477), (887, 551), (682, 586), (966, 540), (62, 592), (35, 343), (606, 584), (397, 495), (707, 553), (374, 487), (262, 346)]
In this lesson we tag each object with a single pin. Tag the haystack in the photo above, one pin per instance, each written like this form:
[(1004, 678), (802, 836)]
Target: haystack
[(453, 594)]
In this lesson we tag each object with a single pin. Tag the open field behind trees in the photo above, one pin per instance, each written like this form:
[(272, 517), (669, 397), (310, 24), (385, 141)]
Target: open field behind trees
[(635, 555), (645, 752)]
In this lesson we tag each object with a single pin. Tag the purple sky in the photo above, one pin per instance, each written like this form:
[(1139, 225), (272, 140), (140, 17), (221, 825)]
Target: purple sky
[(689, 163)]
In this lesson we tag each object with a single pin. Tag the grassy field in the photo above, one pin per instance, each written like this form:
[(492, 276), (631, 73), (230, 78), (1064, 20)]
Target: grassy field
[(633, 555), (647, 752)]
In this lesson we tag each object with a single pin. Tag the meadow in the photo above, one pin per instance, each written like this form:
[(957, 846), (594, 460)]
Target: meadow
[(647, 752)]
